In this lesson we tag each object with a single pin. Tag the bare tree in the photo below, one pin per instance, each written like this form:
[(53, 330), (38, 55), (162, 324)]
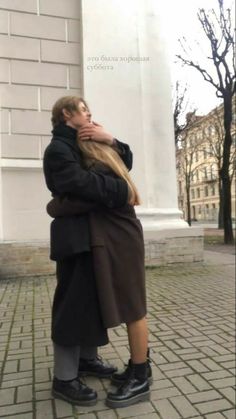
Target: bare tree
[(214, 140), (186, 150), (217, 27), (179, 108)]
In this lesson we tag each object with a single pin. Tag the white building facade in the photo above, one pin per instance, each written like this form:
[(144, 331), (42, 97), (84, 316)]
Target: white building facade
[(116, 58)]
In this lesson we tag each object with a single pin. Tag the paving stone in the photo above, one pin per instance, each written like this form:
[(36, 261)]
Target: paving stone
[(213, 406), (166, 410), (7, 396), (158, 384), (164, 393), (197, 366), (183, 406), (24, 394), (15, 409), (106, 414), (133, 411), (225, 382), (183, 385), (204, 396), (44, 410), (10, 366), (199, 382), (16, 383), (20, 416), (229, 414), (172, 366), (211, 365), (179, 372), (229, 393), (26, 364), (170, 356)]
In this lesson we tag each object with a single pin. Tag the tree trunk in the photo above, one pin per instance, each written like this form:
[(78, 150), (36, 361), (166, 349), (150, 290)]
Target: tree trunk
[(224, 172), (188, 206), (220, 214)]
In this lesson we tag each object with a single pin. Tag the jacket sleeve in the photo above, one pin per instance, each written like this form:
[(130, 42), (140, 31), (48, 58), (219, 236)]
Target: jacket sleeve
[(68, 177), (125, 153), (60, 207)]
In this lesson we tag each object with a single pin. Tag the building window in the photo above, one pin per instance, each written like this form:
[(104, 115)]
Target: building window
[(196, 156), (197, 175), (193, 193), (205, 172), (213, 191), (198, 193), (199, 209), (206, 190)]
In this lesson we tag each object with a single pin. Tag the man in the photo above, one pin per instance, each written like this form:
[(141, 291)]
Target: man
[(76, 321)]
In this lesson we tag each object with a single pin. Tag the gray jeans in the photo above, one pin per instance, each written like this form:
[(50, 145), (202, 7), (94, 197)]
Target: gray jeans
[(66, 360)]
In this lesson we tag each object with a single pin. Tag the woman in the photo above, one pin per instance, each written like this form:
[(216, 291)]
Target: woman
[(118, 259)]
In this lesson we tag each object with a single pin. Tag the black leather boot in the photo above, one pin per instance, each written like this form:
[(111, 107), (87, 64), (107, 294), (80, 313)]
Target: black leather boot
[(134, 389), (74, 392), (119, 378), (96, 367)]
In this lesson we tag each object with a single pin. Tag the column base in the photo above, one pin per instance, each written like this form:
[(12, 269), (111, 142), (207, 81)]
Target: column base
[(168, 238)]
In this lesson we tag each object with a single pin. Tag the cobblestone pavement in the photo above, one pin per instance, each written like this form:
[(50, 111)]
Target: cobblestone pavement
[(191, 321)]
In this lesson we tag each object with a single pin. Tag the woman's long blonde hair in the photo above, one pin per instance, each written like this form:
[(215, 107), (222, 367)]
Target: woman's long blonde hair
[(100, 152)]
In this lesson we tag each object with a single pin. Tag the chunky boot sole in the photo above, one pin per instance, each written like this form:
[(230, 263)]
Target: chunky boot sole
[(115, 404), (120, 382), (62, 396)]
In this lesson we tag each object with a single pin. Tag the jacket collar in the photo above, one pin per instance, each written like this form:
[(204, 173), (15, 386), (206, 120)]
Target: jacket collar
[(65, 133)]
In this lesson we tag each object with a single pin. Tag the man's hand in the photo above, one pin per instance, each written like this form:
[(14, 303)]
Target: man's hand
[(95, 132)]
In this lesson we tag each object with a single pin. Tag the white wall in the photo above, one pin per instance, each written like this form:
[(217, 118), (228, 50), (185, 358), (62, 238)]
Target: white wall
[(40, 60)]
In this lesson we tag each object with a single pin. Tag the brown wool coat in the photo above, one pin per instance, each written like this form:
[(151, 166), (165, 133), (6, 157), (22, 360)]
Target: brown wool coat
[(118, 255)]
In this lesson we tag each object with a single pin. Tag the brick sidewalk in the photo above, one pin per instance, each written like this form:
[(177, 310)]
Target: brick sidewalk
[(191, 322)]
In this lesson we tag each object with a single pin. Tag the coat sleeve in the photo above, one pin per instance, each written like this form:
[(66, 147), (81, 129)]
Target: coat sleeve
[(61, 207), (68, 177), (125, 153)]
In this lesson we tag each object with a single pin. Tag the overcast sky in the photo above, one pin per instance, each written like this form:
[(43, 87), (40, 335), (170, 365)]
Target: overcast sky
[(182, 20)]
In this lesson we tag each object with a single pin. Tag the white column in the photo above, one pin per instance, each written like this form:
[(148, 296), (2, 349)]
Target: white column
[(127, 85)]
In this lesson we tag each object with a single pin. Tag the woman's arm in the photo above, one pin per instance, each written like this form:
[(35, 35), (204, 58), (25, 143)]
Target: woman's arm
[(60, 207)]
